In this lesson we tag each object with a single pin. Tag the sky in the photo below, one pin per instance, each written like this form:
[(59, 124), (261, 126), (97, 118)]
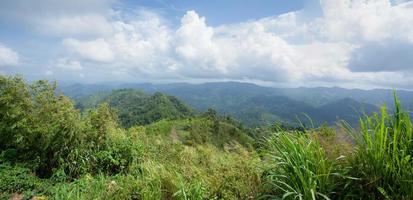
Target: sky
[(286, 43)]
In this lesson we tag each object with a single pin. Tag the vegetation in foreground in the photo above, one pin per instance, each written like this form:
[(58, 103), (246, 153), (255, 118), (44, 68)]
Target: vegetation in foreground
[(51, 150)]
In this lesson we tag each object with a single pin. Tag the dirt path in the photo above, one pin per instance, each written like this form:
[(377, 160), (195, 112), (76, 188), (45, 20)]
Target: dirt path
[(174, 135), (16, 196)]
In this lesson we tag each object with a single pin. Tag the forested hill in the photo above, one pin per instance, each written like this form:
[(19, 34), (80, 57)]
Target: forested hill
[(264, 110), (255, 105), (138, 108)]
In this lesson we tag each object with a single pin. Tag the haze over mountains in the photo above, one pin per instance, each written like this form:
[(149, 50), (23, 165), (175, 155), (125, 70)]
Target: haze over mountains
[(257, 105)]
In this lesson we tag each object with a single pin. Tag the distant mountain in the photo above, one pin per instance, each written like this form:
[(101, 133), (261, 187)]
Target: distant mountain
[(138, 108), (261, 110), (264, 110), (346, 109), (77, 91), (322, 95), (257, 105)]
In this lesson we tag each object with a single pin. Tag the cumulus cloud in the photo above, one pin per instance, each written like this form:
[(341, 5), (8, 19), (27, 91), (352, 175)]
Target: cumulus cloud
[(350, 41), (140, 46), (8, 57), (87, 24), (195, 46), (61, 18), (367, 20), (95, 50), (65, 63), (285, 48)]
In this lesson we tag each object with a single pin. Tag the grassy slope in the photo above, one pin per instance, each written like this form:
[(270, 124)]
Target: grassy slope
[(177, 159), (90, 157)]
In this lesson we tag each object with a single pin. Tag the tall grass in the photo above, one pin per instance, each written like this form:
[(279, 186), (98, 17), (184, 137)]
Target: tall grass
[(380, 166), (383, 157), (298, 169)]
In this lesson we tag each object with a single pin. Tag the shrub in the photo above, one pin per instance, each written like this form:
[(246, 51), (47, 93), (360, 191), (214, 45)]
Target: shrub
[(36, 124), (17, 179), (105, 147), (45, 131)]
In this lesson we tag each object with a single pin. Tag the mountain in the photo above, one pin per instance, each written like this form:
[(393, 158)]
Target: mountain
[(322, 95), (264, 110), (77, 91), (346, 109), (258, 105), (138, 108)]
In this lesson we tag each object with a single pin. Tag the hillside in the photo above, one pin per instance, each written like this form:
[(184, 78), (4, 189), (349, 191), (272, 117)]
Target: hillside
[(51, 150), (255, 105), (48, 150), (346, 109), (265, 110), (138, 108)]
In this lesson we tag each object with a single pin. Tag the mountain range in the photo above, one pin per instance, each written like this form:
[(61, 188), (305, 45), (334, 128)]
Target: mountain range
[(256, 105)]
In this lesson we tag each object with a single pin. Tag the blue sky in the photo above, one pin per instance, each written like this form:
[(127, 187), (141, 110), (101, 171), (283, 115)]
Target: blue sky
[(346, 43), (218, 12)]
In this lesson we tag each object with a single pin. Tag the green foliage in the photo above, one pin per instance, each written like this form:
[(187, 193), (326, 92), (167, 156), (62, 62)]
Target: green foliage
[(17, 179), (173, 171), (45, 131), (68, 155), (105, 149), (298, 168), (255, 105), (202, 130), (326, 131), (97, 187), (306, 165), (37, 125), (49, 150), (137, 108), (383, 158)]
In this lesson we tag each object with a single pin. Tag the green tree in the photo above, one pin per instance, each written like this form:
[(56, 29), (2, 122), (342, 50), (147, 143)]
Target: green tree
[(36, 124)]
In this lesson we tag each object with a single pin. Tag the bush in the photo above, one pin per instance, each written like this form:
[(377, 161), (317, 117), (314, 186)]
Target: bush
[(105, 147), (45, 131), (16, 179), (35, 123)]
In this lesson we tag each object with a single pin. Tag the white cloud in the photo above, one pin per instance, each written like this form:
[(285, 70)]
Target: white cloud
[(65, 63), (339, 46), (88, 24), (139, 46), (60, 18), (95, 50), (194, 45), (257, 50), (8, 57), (369, 20), (283, 49), (49, 73)]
